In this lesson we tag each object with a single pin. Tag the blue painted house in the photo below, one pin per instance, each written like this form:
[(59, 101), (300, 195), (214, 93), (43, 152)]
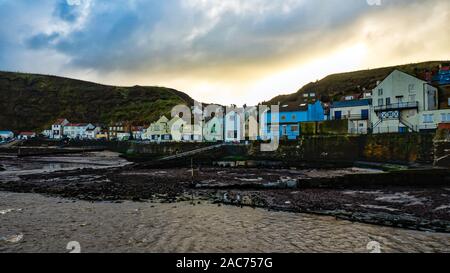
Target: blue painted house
[(443, 77), (290, 117)]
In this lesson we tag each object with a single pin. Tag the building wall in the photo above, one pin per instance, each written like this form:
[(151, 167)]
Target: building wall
[(350, 111), (412, 90), (213, 130), (429, 120), (6, 135), (290, 121), (233, 127)]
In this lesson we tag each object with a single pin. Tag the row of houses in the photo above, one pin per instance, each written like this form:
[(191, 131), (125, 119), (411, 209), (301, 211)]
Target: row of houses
[(9, 135), (400, 103)]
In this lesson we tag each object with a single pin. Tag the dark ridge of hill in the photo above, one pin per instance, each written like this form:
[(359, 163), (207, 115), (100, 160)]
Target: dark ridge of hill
[(33, 102), (335, 86)]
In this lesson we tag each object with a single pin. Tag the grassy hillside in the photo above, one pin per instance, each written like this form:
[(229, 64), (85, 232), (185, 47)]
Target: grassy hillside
[(333, 87), (33, 102)]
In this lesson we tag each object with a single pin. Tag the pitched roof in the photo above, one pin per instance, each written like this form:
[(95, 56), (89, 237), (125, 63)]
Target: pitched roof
[(60, 121), (76, 124), (27, 133), (351, 103), (163, 119)]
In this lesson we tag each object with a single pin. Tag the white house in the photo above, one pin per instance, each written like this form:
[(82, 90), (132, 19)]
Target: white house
[(357, 112), (430, 120), (47, 133), (138, 132), (175, 129), (58, 128), (233, 126), (78, 130), (192, 132), (399, 103), (26, 135), (91, 132), (6, 135), (122, 136), (213, 129), (158, 130)]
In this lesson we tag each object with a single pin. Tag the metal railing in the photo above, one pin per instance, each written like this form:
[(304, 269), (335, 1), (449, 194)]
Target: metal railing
[(397, 106), (354, 117)]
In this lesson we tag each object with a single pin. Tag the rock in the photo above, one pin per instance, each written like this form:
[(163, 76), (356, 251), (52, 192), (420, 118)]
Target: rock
[(13, 239)]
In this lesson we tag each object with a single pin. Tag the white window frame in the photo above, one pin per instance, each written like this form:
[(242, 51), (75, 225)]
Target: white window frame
[(428, 118)]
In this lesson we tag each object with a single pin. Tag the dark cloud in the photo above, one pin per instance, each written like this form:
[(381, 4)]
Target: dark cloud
[(176, 37), (41, 40), (66, 11)]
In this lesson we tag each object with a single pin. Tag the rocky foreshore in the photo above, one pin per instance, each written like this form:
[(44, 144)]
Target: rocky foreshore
[(423, 205)]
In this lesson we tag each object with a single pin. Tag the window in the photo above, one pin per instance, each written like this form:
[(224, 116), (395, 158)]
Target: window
[(388, 101), (283, 117), (428, 118), (380, 92), (445, 117), (380, 102), (294, 128), (412, 98), (293, 117), (411, 88), (364, 114)]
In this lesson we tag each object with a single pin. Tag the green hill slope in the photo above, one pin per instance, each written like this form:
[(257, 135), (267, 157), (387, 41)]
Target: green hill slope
[(333, 87), (33, 102)]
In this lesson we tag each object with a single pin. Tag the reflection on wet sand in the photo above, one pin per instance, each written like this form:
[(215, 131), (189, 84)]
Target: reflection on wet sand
[(13, 166)]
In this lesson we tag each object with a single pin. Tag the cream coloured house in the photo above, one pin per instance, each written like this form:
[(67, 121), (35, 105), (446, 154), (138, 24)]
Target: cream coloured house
[(158, 130), (175, 129), (399, 103), (213, 129), (192, 132)]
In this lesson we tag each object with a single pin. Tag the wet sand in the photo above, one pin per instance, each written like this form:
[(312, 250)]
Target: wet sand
[(47, 224)]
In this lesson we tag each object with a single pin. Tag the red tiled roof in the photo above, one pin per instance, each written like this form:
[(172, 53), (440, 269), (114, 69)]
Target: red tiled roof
[(76, 124), (444, 126), (27, 133), (60, 121)]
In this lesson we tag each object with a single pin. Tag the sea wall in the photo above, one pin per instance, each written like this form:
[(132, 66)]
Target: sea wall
[(391, 148), (421, 148)]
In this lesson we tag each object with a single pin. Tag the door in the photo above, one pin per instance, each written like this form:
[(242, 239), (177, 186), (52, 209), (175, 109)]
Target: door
[(338, 115)]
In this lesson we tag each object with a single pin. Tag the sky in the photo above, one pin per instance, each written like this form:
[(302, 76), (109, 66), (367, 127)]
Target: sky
[(219, 51)]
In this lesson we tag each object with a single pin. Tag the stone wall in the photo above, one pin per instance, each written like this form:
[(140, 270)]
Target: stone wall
[(312, 149), (391, 148)]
